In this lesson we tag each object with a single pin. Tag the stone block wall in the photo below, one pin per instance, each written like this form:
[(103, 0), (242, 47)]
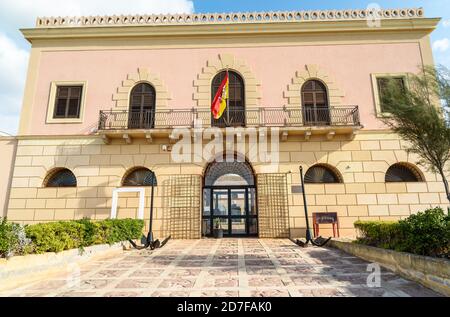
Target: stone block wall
[(100, 167)]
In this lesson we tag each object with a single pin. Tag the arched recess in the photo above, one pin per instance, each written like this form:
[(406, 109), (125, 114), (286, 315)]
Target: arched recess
[(403, 172), (202, 96), (235, 112), (229, 197), (312, 72), (139, 176), (323, 174), (142, 106), (60, 177), (143, 75)]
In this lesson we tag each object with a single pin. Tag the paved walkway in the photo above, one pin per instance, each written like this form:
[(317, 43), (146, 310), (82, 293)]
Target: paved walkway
[(227, 267)]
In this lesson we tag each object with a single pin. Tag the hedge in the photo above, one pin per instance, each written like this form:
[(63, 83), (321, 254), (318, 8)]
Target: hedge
[(425, 233), (64, 235)]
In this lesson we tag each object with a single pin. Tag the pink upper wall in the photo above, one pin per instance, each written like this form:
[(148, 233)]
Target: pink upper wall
[(104, 70)]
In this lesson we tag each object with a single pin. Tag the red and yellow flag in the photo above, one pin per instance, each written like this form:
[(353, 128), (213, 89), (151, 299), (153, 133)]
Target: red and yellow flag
[(219, 103)]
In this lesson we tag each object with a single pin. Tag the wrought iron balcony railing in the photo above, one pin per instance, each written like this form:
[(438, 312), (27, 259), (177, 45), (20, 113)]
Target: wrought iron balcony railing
[(260, 117)]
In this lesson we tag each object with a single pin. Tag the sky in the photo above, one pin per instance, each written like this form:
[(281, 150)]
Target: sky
[(16, 14)]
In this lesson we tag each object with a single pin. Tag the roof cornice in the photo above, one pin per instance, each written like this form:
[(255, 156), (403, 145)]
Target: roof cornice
[(230, 18), (209, 30)]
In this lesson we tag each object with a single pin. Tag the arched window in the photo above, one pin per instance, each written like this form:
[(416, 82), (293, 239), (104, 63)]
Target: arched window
[(320, 174), (142, 107), (140, 176), (315, 103), (235, 115), (402, 172), (60, 177)]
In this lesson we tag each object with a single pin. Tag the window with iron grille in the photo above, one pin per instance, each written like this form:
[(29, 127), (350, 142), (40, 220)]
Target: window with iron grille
[(401, 172), (321, 174), (68, 102), (383, 85), (140, 177), (61, 178), (236, 103)]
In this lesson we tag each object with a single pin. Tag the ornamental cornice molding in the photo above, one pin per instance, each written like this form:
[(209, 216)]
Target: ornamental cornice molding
[(230, 18)]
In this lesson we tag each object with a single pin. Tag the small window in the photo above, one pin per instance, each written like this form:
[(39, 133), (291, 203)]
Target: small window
[(321, 174), (382, 84), (402, 172), (68, 102), (140, 177), (62, 177)]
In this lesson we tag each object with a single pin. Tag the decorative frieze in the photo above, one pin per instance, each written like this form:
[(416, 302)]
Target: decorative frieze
[(230, 18)]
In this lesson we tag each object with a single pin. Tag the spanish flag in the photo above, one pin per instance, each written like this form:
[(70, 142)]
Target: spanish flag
[(219, 103)]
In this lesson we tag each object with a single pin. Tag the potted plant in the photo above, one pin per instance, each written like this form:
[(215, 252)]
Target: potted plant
[(217, 231)]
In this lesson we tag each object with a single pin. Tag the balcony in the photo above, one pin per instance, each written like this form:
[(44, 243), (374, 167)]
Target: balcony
[(337, 120)]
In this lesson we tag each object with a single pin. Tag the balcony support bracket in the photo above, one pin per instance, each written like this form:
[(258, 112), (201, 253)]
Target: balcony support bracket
[(330, 135), (148, 137), (284, 136), (106, 139), (307, 135), (127, 138)]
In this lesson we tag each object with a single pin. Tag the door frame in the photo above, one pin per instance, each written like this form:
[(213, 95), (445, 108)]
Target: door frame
[(230, 217)]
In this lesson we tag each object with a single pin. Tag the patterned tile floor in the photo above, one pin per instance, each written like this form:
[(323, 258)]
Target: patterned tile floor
[(227, 267)]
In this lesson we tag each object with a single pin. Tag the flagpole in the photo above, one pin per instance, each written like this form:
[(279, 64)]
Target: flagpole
[(228, 98)]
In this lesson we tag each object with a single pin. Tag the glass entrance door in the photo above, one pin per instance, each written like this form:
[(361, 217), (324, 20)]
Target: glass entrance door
[(234, 207)]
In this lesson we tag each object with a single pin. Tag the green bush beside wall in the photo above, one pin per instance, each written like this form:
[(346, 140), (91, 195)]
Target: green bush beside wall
[(65, 235), (425, 233)]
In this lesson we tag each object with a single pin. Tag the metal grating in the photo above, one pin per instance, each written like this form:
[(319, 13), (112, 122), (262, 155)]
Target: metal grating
[(320, 174), (140, 177), (182, 206), (401, 172), (217, 169), (61, 178), (273, 209)]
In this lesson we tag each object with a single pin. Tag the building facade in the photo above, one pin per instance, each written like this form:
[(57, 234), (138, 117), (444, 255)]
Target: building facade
[(108, 98)]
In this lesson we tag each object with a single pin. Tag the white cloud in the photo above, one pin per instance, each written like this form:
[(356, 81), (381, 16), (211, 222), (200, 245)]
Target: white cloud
[(8, 124), (13, 66), (446, 23), (24, 12), (16, 14), (441, 45)]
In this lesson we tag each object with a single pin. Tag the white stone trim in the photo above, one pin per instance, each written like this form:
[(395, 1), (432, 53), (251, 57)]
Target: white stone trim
[(115, 199), (312, 72), (143, 75)]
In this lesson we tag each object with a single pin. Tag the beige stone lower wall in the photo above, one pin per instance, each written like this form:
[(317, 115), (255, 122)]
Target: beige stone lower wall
[(99, 169), (8, 147)]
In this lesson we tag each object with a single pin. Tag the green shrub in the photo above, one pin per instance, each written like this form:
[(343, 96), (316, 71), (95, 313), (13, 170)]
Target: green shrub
[(13, 240), (426, 233), (65, 235), (8, 241)]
